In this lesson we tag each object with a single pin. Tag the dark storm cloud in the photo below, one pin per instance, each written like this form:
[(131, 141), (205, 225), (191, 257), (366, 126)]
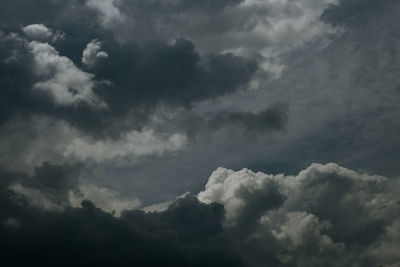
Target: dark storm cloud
[(172, 74), (325, 216), (189, 233), (131, 79), (47, 188)]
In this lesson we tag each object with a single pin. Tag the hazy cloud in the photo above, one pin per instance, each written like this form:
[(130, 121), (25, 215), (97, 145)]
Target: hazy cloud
[(133, 143)]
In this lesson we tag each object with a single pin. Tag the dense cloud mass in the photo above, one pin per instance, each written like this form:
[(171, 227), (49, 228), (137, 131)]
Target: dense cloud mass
[(110, 109), (163, 74), (326, 215)]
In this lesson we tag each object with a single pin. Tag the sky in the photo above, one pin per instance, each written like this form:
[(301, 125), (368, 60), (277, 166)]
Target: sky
[(200, 133)]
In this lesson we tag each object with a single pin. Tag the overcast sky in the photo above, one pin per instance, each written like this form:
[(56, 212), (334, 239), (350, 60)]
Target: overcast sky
[(200, 132)]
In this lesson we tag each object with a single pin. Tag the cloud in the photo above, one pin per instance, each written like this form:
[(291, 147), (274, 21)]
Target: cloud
[(326, 212), (41, 33), (66, 83), (173, 74), (108, 11), (262, 30), (133, 82), (189, 233), (37, 32), (92, 53), (104, 198), (326, 215), (48, 188), (133, 143), (341, 87), (55, 187)]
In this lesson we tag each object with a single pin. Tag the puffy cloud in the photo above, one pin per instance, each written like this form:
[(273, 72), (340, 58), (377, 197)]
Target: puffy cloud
[(65, 82), (326, 212), (92, 53), (37, 32), (40, 32)]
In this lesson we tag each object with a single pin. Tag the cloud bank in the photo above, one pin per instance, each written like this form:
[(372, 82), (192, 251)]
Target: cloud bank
[(326, 215)]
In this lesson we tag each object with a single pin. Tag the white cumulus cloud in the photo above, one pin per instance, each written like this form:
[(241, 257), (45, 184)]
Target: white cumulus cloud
[(325, 212), (64, 81)]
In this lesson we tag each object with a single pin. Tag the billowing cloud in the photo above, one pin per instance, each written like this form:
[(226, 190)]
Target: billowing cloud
[(66, 83), (40, 32), (326, 215), (92, 53)]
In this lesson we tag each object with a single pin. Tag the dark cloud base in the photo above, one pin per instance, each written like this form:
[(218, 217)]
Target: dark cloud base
[(188, 234)]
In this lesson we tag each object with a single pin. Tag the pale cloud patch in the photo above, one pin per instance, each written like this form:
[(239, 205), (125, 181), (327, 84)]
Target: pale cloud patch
[(131, 144), (36, 197), (103, 198), (108, 10), (40, 32), (93, 53), (64, 81)]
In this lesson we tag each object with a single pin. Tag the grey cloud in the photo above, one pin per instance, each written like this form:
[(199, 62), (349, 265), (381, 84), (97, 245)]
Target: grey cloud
[(48, 187), (37, 32), (131, 81), (258, 220), (170, 74), (53, 187), (189, 233), (93, 53), (262, 30), (270, 119), (326, 215), (40, 32)]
